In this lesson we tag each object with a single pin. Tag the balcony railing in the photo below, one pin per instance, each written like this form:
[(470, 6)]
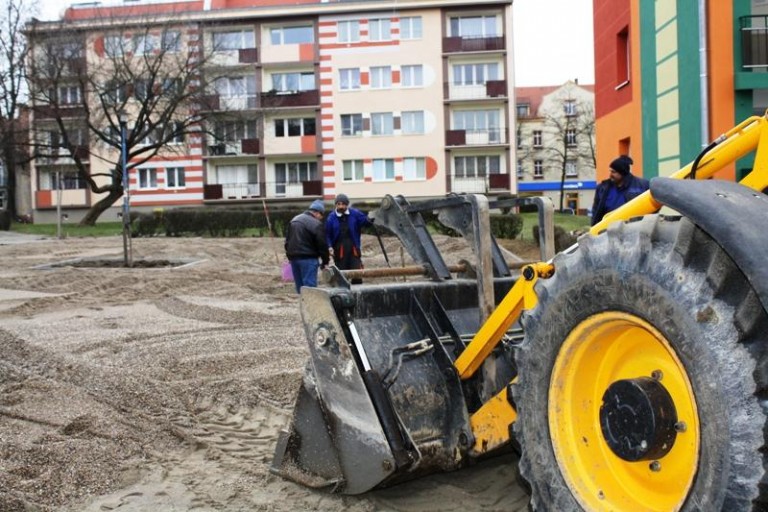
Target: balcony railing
[(489, 89), (472, 44), (237, 147), (63, 111), (474, 137), (274, 99), (480, 184), (754, 41), (213, 102), (269, 189)]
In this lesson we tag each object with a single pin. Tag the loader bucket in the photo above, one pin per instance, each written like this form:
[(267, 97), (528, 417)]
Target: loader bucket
[(381, 401)]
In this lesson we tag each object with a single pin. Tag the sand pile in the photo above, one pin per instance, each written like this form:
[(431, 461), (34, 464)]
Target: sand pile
[(165, 388)]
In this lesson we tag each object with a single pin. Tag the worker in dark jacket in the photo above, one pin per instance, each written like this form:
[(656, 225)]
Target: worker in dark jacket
[(305, 245), (621, 187), (342, 232)]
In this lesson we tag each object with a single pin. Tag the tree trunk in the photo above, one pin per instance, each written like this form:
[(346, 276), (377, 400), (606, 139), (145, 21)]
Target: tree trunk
[(97, 209)]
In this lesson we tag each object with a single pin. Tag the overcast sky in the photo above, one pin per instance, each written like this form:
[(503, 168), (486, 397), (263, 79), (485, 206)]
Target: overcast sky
[(553, 40)]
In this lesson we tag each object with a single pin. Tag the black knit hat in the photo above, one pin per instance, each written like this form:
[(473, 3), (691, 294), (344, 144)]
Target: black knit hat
[(342, 198), (621, 165)]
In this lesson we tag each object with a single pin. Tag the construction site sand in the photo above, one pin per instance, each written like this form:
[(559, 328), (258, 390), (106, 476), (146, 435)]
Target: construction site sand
[(165, 389)]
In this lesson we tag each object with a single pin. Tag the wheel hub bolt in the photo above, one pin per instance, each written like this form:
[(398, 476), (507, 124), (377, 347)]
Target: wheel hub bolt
[(680, 426), (655, 466), (657, 375)]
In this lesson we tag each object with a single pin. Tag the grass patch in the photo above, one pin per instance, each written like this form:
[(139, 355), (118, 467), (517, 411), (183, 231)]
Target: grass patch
[(100, 229), (565, 221)]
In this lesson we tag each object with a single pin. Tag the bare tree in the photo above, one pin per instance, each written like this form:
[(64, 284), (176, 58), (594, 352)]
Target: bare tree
[(83, 82), (13, 55)]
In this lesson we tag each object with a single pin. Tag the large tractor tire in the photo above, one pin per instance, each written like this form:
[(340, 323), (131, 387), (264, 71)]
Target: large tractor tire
[(643, 376)]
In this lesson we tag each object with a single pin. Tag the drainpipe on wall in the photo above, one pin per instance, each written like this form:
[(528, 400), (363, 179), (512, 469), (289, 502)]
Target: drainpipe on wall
[(703, 73)]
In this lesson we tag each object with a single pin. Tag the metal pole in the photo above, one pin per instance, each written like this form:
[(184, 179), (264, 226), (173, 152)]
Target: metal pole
[(58, 203), (127, 249)]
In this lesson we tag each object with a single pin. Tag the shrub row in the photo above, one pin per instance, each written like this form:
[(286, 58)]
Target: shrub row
[(216, 222)]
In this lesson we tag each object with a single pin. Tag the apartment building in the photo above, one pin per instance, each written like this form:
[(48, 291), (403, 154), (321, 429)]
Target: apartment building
[(556, 144), (300, 101)]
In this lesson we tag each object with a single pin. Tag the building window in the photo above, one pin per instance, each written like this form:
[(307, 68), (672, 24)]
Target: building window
[(170, 41), (537, 138), (234, 131), (570, 137), (292, 35), (622, 57), (173, 132), (482, 123), (293, 173), (295, 127), (476, 166), (382, 123), (147, 178), (348, 31), (570, 169), (520, 169), (379, 29), (144, 44), (293, 82), (569, 108), (174, 177), (66, 49), (238, 175), (349, 79), (383, 169), (412, 122), (538, 169), (233, 40), (67, 181), (523, 110), (381, 77), (68, 95), (353, 170), (410, 27), (473, 26), (475, 74), (114, 45), (412, 76), (351, 124), (414, 168)]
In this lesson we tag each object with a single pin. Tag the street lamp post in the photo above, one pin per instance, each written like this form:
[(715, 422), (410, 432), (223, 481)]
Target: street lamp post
[(127, 248)]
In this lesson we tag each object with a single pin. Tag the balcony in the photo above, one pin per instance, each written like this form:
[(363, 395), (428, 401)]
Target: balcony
[(473, 44), (215, 102), (58, 111), (480, 184), (488, 90), (270, 189), (230, 148), (474, 137), (234, 57), (70, 198), (61, 156), (274, 99), (754, 42)]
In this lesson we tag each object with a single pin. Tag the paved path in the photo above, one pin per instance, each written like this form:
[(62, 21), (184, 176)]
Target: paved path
[(11, 237)]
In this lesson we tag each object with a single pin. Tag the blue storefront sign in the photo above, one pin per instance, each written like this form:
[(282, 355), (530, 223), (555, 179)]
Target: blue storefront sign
[(546, 186)]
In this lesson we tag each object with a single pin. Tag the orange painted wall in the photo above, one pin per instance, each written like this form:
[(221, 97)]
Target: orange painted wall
[(722, 113), (618, 113)]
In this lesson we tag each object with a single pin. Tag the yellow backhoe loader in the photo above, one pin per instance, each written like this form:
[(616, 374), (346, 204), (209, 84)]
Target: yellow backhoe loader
[(630, 371)]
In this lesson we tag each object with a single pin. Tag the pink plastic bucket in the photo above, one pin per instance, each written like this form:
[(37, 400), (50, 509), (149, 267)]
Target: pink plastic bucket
[(287, 272)]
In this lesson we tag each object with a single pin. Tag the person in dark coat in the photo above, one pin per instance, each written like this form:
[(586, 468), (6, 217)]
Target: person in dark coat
[(342, 232), (305, 245), (621, 187)]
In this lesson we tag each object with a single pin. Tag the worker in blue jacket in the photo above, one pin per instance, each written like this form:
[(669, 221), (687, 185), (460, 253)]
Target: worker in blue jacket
[(342, 233), (621, 187)]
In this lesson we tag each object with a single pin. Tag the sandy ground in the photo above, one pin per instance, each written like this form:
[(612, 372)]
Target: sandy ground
[(165, 389)]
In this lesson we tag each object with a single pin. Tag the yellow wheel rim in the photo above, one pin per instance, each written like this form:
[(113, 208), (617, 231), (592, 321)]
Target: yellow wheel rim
[(601, 350)]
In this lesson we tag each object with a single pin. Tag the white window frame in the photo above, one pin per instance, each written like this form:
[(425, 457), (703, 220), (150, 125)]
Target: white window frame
[(569, 108), (351, 125), (538, 169), (412, 75), (412, 122), (114, 45), (520, 172), (570, 137), (353, 170), (233, 40), (146, 178), (381, 77), (477, 73), (382, 123), (349, 79), (348, 31), (68, 95), (380, 29), (277, 35), (288, 122), (304, 81), (537, 138), (570, 169), (383, 169), (476, 166), (457, 28), (411, 28), (170, 41), (172, 174), (144, 44), (414, 168)]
